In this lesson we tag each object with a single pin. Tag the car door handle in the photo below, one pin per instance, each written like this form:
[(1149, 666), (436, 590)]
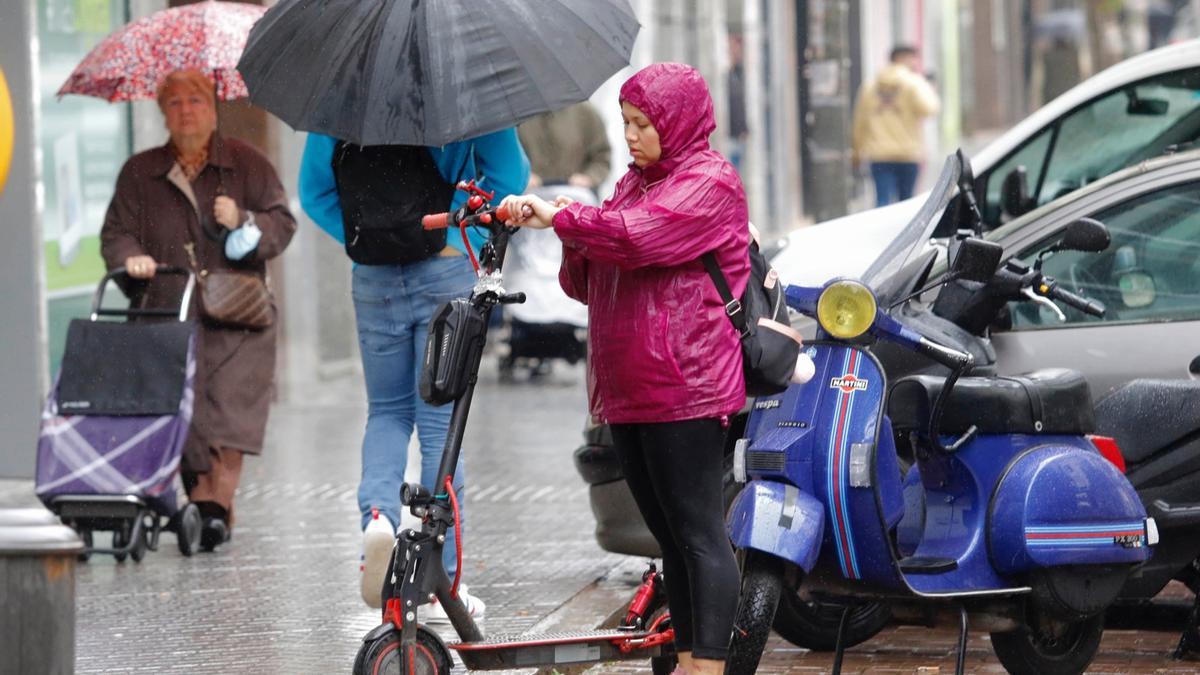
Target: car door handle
[(1194, 368)]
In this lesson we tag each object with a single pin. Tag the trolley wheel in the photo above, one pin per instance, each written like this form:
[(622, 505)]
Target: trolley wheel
[(138, 552), (120, 539), (506, 366), (384, 655), (86, 536), (187, 531)]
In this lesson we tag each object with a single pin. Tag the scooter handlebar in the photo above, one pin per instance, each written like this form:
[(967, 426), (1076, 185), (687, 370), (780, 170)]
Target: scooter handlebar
[(1093, 307), (437, 221), (951, 358)]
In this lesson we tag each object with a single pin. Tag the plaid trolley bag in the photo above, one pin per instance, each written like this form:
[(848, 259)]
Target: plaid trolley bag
[(115, 423)]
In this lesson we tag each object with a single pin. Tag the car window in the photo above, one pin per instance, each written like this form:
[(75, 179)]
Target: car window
[(1150, 272), (1109, 133)]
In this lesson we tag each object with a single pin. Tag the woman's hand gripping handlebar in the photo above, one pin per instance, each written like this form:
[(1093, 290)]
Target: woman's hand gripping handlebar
[(437, 221), (473, 214)]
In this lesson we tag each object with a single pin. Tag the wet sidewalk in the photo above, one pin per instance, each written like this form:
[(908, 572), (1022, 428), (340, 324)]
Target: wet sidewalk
[(282, 596)]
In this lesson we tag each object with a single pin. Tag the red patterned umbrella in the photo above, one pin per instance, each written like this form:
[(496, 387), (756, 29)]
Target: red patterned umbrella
[(207, 36)]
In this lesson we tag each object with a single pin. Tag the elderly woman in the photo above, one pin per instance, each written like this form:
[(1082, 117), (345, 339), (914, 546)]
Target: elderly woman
[(204, 202)]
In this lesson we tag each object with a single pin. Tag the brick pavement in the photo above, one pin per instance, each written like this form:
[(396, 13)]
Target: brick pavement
[(282, 596)]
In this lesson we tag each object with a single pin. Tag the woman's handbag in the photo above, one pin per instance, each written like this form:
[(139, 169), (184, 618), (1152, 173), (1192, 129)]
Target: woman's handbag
[(233, 298)]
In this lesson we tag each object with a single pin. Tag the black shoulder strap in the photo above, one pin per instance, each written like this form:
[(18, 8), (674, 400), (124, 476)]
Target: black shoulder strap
[(733, 308)]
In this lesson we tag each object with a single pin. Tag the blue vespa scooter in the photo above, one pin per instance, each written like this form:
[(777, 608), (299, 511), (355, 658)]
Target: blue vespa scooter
[(1010, 519)]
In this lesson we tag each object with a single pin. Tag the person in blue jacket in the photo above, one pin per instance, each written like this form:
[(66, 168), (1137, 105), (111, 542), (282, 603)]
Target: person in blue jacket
[(393, 305)]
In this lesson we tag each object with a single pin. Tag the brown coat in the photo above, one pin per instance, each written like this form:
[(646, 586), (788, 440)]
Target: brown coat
[(150, 214)]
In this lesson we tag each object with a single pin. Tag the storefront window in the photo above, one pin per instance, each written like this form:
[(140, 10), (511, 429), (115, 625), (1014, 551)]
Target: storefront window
[(84, 141)]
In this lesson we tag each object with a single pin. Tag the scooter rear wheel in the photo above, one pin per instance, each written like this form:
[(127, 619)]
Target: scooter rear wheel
[(762, 583), (1049, 647), (385, 655)]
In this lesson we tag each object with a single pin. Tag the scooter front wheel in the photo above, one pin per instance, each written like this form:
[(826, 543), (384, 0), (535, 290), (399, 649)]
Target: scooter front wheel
[(385, 655), (813, 624), (762, 583), (1049, 646)]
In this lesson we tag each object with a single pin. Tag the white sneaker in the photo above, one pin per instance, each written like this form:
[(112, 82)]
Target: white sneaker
[(378, 538), (435, 613)]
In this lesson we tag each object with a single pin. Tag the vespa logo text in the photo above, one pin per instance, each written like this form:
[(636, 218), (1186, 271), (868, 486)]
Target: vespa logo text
[(848, 384), (767, 404), (1128, 540)]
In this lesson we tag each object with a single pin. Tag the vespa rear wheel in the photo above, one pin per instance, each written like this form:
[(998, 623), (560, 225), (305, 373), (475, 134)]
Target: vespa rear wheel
[(813, 624), (384, 655), (1048, 646), (762, 583)]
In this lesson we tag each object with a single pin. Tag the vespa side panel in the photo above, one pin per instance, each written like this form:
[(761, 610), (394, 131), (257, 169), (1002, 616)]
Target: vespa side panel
[(824, 437), (779, 519), (850, 388), (1063, 504)]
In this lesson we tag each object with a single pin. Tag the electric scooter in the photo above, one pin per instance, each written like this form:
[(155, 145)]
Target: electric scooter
[(1010, 519), (402, 646)]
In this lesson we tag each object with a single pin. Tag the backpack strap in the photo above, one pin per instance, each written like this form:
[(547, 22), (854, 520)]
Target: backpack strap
[(733, 307)]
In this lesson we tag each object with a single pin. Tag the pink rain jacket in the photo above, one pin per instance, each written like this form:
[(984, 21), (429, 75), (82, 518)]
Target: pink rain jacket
[(661, 347)]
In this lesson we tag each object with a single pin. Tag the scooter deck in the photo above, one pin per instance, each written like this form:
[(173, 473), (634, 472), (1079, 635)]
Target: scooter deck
[(505, 651)]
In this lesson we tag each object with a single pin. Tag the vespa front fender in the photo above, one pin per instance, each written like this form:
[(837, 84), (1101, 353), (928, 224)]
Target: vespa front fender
[(779, 519)]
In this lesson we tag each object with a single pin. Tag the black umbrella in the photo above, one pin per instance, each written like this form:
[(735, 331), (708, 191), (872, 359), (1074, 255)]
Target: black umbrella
[(429, 72)]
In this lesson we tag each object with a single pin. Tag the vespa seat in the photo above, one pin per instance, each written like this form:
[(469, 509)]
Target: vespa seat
[(1049, 401)]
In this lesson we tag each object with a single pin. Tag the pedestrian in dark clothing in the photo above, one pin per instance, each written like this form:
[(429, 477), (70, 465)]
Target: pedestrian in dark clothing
[(567, 146)]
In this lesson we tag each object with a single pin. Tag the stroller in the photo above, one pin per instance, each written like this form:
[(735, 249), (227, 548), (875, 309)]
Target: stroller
[(114, 426), (549, 325)]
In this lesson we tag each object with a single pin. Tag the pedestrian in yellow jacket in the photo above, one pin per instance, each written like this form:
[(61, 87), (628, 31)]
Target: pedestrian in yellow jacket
[(887, 125)]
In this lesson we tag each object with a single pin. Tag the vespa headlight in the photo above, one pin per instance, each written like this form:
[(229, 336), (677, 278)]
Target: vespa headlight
[(846, 309)]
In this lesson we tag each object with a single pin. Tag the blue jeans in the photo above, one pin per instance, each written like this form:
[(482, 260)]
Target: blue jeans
[(894, 181), (392, 307)]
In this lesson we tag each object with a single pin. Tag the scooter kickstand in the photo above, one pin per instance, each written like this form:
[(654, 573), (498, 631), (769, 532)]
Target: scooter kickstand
[(961, 660), (840, 650), (1189, 639)]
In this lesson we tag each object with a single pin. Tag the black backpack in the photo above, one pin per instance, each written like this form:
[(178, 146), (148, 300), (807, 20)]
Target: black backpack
[(770, 346), (383, 191)]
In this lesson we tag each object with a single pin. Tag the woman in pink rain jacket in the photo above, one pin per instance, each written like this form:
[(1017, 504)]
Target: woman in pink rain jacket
[(664, 368)]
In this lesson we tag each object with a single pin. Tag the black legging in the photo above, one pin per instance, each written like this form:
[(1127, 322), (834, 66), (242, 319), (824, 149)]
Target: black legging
[(674, 470)]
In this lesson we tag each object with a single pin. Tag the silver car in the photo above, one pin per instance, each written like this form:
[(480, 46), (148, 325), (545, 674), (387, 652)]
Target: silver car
[(1149, 280)]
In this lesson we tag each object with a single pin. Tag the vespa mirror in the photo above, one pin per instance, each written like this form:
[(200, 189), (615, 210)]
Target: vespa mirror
[(969, 216), (1086, 234), (976, 259), (1014, 193)]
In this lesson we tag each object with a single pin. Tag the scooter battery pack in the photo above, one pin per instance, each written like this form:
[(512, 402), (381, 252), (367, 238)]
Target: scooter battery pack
[(453, 348)]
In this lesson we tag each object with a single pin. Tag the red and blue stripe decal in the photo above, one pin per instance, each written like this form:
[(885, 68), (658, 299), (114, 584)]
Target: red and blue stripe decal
[(837, 483), (1084, 535)]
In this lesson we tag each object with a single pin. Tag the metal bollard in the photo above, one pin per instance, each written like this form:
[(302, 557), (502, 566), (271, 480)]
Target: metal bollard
[(37, 593)]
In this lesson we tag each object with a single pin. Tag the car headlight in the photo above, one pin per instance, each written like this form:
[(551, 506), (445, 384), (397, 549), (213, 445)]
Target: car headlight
[(846, 309)]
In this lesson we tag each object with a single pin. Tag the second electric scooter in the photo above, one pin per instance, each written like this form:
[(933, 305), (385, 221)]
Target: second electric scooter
[(400, 645)]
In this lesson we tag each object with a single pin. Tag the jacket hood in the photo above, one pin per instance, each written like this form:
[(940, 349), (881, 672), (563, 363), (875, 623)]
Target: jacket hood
[(677, 102)]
